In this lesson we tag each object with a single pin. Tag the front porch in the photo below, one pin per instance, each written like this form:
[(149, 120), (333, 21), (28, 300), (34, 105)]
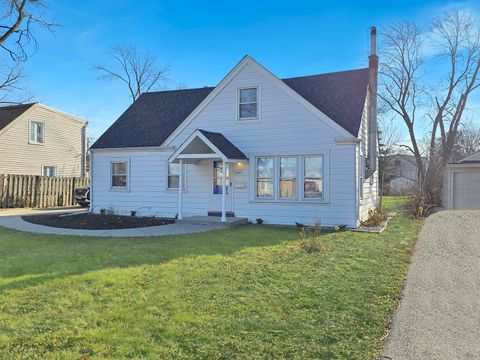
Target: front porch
[(214, 147)]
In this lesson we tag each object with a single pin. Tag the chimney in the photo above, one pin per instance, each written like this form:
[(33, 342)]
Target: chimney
[(372, 104)]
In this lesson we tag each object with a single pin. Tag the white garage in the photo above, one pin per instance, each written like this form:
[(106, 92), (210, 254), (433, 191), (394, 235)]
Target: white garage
[(461, 184)]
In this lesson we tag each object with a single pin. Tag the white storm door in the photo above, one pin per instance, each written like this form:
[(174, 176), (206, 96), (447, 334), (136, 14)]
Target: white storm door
[(216, 187)]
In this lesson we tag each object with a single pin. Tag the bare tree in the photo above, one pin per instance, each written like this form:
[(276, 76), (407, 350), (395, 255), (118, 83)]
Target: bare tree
[(138, 72), (455, 38), (467, 143), (19, 21)]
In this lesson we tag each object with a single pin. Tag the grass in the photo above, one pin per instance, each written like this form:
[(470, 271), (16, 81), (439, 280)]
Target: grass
[(248, 292)]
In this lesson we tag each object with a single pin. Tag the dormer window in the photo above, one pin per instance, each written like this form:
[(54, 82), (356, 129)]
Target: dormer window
[(248, 103)]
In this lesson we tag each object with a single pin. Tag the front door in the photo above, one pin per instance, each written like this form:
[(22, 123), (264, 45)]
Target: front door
[(216, 190)]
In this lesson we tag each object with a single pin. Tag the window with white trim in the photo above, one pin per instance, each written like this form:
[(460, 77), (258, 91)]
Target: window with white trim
[(248, 103), (119, 174), (37, 132), (49, 170), (313, 177), (264, 177), (288, 177), (173, 176)]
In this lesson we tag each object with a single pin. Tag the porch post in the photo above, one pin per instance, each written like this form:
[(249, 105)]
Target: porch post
[(180, 190), (224, 190)]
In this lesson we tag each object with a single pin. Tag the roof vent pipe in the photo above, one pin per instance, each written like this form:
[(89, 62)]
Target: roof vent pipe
[(372, 104)]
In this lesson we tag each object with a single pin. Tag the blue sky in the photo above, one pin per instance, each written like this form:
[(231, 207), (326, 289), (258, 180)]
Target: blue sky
[(200, 42)]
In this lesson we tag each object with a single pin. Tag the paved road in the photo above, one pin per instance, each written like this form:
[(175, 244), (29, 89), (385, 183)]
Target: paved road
[(439, 316)]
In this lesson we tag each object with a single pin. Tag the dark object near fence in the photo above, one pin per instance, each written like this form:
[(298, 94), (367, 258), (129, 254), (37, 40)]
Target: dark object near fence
[(17, 191), (82, 196)]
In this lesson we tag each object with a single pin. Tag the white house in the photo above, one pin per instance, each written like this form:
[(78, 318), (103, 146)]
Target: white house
[(255, 146)]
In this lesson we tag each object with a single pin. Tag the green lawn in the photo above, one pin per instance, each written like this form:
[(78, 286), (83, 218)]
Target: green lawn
[(248, 292)]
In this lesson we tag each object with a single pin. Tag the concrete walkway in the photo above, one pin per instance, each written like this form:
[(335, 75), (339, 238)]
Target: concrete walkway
[(12, 219), (439, 316)]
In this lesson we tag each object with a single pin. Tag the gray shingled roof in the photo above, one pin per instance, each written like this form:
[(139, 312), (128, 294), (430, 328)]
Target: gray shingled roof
[(224, 145), (340, 95), (9, 113), (153, 117), (475, 158)]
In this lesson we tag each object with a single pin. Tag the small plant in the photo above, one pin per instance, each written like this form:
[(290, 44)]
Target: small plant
[(375, 218), (310, 238), (103, 211), (259, 221), (133, 213), (338, 228)]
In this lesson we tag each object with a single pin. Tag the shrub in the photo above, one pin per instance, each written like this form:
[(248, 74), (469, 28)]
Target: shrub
[(259, 221), (103, 211), (133, 213), (419, 203), (375, 218), (310, 238), (338, 228)]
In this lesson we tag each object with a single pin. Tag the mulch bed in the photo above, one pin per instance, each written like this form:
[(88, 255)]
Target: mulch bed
[(96, 221)]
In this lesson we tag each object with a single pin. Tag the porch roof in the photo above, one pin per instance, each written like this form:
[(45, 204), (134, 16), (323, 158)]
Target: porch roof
[(203, 144)]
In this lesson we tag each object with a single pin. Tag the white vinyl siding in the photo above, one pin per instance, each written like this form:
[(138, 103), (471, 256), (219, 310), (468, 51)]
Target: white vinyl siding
[(368, 191)]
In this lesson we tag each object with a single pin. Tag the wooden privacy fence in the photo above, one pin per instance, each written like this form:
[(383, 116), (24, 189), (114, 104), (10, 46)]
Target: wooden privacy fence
[(38, 191)]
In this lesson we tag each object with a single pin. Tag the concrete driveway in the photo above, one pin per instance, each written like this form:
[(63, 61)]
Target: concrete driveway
[(439, 316), (43, 211)]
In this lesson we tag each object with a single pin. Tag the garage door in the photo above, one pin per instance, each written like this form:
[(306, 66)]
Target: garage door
[(466, 190)]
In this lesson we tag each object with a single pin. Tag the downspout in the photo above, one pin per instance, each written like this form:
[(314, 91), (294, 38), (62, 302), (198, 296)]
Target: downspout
[(91, 182), (372, 105), (84, 151)]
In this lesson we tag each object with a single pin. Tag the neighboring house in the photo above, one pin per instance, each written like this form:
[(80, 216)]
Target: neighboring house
[(401, 166), (401, 173), (461, 184), (38, 140), (401, 185), (294, 150)]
